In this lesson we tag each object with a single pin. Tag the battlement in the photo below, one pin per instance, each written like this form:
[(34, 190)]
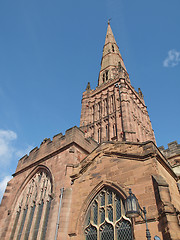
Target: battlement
[(172, 150), (49, 148), (172, 153)]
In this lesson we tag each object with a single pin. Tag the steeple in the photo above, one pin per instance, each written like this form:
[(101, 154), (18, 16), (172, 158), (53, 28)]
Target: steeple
[(114, 111), (111, 58)]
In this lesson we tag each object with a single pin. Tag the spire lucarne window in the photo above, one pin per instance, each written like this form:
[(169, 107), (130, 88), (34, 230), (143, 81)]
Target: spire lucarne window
[(106, 219), (32, 209)]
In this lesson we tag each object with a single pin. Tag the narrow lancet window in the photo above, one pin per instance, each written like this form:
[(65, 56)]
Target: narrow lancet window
[(112, 102), (106, 75), (103, 77), (106, 132), (99, 110), (99, 135)]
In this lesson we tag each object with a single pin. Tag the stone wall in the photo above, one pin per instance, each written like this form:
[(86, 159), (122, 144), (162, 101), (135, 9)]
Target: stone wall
[(113, 113), (55, 158), (82, 169), (123, 166)]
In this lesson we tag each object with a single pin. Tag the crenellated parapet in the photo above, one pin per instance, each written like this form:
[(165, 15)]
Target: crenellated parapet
[(60, 142), (172, 153), (172, 150)]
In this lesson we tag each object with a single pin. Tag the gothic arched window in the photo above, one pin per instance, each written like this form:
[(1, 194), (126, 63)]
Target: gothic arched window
[(105, 219), (32, 209)]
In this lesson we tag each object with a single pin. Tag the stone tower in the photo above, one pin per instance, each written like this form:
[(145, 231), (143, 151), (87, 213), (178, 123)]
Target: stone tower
[(114, 110), (72, 188)]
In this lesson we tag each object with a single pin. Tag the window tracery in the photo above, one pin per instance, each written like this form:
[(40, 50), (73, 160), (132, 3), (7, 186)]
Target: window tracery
[(106, 219), (32, 210)]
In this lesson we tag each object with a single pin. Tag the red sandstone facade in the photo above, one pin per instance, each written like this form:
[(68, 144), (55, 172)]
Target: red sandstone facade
[(69, 188), (114, 110)]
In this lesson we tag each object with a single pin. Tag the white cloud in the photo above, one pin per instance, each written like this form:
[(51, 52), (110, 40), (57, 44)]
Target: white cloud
[(172, 59), (9, 153), (22, 152), (6, 148), (3, 184)]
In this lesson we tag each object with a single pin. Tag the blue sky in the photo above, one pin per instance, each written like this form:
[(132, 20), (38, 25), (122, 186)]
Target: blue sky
[(49, 50)]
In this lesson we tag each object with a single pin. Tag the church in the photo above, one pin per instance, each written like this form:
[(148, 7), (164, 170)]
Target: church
[(76, 186)]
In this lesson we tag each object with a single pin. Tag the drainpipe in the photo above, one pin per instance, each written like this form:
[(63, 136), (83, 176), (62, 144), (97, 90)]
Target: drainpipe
[(59, 211)]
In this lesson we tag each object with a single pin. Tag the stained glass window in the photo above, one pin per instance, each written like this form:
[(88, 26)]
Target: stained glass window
[(106, 232), (105, 219), (95, 217), (32, 210), (124, 230), (91, 233)]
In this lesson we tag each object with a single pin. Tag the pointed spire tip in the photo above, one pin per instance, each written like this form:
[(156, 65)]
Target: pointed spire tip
[(109, 21)]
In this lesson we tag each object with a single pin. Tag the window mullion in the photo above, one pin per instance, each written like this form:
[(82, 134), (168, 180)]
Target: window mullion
[(19, 222), (29, 223), (98, 220), (43, 215), (114, 208), (25, 222), (38, 220), (23, 219), (114, 213), (45, 222), (14, 229), (105, 206)]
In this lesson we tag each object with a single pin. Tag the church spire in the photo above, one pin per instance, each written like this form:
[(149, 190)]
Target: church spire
[(109, 35), (111, 57)]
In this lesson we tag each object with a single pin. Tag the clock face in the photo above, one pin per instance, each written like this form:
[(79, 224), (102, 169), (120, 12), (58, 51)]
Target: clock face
[(157, 238)]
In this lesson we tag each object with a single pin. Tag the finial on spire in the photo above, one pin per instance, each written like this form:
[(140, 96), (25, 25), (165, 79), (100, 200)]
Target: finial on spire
[(109, 21), (88, 87)]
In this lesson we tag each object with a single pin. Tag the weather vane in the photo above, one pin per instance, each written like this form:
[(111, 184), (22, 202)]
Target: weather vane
[(109, 20)]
